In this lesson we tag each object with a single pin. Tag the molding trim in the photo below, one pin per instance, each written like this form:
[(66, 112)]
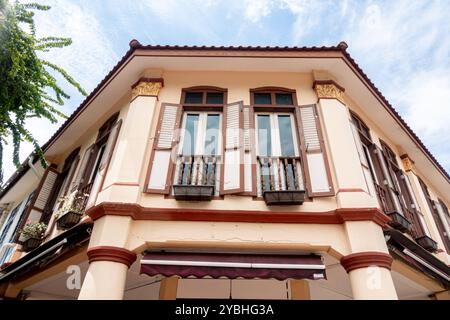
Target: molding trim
[(337, 216), (366, 259), (149, 87), (113, 254), (329, 89)]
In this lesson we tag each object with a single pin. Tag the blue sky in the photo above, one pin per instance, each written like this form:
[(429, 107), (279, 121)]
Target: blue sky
[(403, 45)]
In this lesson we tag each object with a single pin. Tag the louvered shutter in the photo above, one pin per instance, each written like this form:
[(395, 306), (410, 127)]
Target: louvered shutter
[(82, 176), (314, 154), (362, 158), (70, 176), (249, 151), (162, 160), (233, 149), (390, 181), (42, 195), (441, 222), (104, 164)]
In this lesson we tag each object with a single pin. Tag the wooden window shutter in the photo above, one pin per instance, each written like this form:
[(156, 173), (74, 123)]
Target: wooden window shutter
[(70, 176), (163, 156), (232, 177), (410, 204), (318, 176), (249, 151), (441, 223), (36, 208), (85, 168), (362, 158), (104, 164)]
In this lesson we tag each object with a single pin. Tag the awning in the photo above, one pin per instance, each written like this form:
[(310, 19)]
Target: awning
[(406, 249), (233, 266)]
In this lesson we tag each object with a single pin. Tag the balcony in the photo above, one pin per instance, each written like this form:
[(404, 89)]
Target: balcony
[(280, 180), (196, 178)]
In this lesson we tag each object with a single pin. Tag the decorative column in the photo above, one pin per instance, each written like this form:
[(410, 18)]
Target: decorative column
[(107, 273), (342, 150), (123, 177), (370, 275)]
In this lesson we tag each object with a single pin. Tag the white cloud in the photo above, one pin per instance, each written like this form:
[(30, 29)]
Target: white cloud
[(91, 55), (255, 10), (404, 46)]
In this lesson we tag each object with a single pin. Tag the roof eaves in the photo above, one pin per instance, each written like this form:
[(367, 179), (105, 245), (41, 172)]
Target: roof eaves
[(134, 45)]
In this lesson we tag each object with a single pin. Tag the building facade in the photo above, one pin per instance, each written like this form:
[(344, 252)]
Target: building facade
[(229, 172)]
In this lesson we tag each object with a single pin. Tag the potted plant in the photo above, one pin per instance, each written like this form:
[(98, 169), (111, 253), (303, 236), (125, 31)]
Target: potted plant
[(71, 210), (32, 234)]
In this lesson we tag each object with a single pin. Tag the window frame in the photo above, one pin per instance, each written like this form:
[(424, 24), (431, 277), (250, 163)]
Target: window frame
[(204, 90), (94, 159), (273, 117), (273, 105), (274, 127), (203, 122)]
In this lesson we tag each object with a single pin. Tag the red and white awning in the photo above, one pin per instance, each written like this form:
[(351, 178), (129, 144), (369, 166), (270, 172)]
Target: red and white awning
[(233, 266)]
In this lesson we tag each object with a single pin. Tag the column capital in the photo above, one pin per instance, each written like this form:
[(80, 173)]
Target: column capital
[(329, 89), (407, 162), (149, 87), (366, 259), (113, 254)]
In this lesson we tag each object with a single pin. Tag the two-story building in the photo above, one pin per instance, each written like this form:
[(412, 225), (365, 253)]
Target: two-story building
[(230, 172)]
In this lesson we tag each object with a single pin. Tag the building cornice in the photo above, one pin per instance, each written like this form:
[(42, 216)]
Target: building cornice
[(337, 216)]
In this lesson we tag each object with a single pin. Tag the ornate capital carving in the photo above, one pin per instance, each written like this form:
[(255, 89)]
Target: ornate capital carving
[(328, 89), (147, 87), (407, 162)]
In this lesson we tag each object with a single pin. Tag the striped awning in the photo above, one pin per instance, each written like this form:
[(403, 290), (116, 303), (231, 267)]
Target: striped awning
[(233, 266)]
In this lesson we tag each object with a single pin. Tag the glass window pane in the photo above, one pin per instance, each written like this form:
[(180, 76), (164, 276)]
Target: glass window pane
[(190, 134), (193, 97), (214, 98), (262, 98), (284, 99), (212, 134), (264, 136), (286, 138)]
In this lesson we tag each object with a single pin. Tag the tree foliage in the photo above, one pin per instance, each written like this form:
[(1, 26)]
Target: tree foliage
[(28, 88)]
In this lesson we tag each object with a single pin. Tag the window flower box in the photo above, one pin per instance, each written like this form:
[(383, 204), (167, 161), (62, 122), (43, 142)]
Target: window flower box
[(284, 197), (193, 193), (32, 234), (399, 222), (427, 243), (68, 220), (71, 209), (30, 244)]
